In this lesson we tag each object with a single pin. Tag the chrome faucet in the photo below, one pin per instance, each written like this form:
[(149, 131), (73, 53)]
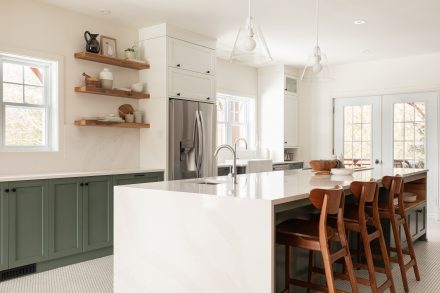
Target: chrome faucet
[(237, 141), (234, 164)]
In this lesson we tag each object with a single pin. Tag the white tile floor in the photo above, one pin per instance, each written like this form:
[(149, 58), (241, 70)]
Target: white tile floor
[(96, 276)]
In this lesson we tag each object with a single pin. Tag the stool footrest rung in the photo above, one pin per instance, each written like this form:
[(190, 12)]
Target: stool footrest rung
[(315, 287)]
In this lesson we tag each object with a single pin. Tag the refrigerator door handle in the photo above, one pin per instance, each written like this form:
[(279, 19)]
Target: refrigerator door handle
[(201, 139), (196, 144)]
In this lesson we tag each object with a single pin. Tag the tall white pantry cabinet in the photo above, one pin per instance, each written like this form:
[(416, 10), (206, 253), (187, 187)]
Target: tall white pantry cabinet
[(182, 65)]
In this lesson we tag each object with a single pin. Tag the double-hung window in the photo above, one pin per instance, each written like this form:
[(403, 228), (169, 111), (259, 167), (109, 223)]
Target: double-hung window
[(236, 118), (27, 102)]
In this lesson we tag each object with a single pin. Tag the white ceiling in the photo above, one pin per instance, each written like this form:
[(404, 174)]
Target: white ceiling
[(393, 27)]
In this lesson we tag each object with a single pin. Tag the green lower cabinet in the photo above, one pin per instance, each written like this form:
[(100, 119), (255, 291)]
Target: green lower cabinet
[(4, 257), (97, 212), (137, 178), (28, 222), (65, 217)]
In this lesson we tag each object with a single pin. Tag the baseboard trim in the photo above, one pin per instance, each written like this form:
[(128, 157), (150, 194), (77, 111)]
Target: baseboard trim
[(73, 259)]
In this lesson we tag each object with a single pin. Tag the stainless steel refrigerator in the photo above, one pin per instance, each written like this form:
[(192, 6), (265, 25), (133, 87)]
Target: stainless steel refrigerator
[(192, 139)]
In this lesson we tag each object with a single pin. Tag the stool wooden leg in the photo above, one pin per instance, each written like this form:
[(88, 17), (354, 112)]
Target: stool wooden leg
[(386, 260), (287, 269), (310, 272), (328, 267), (369, 257), (400, 259), (348, 264), (411, 249)]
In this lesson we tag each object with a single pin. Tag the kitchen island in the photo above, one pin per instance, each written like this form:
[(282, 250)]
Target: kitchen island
[(211, 235)]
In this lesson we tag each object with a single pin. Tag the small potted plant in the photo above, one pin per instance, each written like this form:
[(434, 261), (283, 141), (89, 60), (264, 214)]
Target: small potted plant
[(129, 53)]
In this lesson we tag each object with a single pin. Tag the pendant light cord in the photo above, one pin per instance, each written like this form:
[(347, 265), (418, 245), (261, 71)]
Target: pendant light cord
[(249, 9), (317, 22)]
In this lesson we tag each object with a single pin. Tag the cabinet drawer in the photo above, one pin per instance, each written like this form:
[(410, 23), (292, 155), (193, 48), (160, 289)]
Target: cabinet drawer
[(190, 85), (192, 57)]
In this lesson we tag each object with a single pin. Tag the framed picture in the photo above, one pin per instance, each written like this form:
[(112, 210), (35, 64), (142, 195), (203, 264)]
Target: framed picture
[(108, 46)]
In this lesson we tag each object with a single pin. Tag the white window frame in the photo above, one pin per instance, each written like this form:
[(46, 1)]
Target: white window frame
[(251, 125), (50, 126)]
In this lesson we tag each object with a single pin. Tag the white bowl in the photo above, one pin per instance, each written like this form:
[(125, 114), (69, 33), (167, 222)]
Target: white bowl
[(341, 171), (137, 87)]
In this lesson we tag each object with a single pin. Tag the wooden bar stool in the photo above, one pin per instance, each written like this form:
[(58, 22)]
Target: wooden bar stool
[(397, 216), (357, 220), (315, 236)]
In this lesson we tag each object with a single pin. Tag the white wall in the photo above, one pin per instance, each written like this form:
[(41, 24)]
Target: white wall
[(236, 78), (36, 29)]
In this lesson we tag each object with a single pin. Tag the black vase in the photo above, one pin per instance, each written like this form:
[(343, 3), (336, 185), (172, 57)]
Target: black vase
[(92, 44)]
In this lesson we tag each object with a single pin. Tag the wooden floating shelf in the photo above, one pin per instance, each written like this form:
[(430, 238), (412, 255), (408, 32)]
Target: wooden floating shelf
[(111, 60), (114, 92), (84, 122)]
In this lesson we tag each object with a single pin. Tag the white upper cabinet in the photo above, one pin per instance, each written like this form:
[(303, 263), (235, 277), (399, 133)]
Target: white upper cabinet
[(188, 56), (190, 85), (290, 121), (290, 85)]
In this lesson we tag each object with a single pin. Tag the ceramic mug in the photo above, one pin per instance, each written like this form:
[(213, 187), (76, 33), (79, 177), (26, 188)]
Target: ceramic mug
[(129, 118), (138, 117)]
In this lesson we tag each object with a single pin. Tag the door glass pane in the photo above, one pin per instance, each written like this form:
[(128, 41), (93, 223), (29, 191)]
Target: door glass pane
[(357, 136), (409, 136), (24, 126)]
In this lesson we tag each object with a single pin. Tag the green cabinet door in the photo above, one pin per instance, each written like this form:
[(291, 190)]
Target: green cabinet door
[(65, 217), (125, 179), (97, 212), (4, 261), (28, 222)]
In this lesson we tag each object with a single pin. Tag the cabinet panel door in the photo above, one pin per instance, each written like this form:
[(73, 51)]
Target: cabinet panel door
[(421, 220), (125, 179), (190, 85), (28, 222), (97, 212), (290, 121), (192, 57), (4, 261), (65, 217), (412, 222)]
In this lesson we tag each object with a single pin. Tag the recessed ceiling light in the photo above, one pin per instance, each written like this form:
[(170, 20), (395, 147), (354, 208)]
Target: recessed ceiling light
[(359, 21), (366, 51), (105, 11)]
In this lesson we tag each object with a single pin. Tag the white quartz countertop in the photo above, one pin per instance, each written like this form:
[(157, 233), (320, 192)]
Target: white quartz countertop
[(8, 178), (278, 186)]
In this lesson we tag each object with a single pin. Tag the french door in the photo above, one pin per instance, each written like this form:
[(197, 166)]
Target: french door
[(391, 130), (357, 124)]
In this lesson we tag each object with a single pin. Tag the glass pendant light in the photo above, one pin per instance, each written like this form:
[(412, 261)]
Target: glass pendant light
[(317, 64), (250, 46)]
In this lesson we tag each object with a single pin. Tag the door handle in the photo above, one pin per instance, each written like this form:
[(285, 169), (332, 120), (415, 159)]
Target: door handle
[(13, 189), (377, 161), (201, 138), (195, 142)]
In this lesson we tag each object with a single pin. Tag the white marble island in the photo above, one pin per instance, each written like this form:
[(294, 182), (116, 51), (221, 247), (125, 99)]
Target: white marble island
[(210, 235)]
